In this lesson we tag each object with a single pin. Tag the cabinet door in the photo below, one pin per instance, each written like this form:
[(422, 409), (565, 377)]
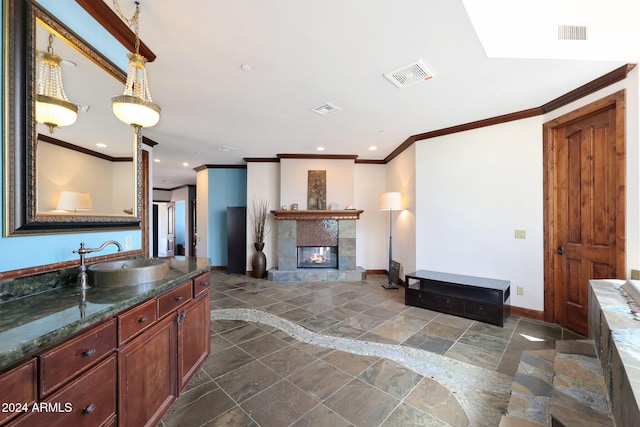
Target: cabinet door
[(147, 380), (17, 388), (194, 337)]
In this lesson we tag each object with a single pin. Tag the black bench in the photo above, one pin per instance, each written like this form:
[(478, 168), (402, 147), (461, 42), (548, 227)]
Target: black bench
[(476, 298)]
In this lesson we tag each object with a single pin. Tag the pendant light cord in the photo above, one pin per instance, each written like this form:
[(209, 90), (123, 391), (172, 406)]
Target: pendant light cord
[(133, 22)]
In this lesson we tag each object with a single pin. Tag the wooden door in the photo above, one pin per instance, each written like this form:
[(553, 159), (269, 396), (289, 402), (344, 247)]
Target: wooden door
[(171, 229), (587, 216)]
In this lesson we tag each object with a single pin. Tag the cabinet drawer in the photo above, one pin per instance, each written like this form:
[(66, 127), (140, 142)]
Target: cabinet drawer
[(75, 356), (174, 298), (136, 320), (88, 401), (201, 284), (483, 311), (17, 387), (448, 304)]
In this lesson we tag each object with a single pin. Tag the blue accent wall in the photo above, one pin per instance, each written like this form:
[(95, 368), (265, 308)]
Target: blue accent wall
[(227, 187), (27, 251)]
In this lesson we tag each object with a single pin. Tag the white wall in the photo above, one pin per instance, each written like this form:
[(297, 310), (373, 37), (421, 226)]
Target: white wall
[(69, 170), (178, 194), (401, 176), (372, 229), (162, 228), (123, 191), (263, 181), (294, 178), (202, 213), (474, 189)]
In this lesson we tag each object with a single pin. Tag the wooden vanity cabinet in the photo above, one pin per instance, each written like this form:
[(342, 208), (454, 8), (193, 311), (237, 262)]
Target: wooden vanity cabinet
[(156, 365), (18, 386), (126, 370)]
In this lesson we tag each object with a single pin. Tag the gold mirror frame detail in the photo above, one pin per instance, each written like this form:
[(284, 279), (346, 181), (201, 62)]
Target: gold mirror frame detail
[(19, 198)]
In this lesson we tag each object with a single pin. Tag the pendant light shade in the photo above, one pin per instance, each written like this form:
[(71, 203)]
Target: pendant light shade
[(52, 106), (135, 107)]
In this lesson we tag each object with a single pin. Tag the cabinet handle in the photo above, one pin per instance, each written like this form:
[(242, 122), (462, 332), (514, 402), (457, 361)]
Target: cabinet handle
[(179, 298), (89, 409), (89, 352), (204, 284), (142, 319)]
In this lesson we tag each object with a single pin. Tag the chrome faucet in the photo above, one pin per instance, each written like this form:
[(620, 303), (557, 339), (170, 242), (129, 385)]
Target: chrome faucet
[(82, 274)]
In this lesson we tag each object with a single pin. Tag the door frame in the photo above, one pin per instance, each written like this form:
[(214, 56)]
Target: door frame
[(616, 101)]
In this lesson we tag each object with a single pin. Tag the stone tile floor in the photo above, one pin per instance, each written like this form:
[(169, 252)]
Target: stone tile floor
[(258, 375)]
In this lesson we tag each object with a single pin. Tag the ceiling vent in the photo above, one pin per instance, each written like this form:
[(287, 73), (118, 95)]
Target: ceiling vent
[(326, 109), (409, 74), (572, 32)]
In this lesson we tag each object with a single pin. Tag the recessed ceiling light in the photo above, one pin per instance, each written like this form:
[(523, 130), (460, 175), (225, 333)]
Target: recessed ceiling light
[(246, 67), (373, 148), (156, 160), (185, 164), (101, 145), (320, 148)]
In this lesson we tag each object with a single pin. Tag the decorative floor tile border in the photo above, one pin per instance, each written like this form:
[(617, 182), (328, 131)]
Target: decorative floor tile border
[(482, 393)]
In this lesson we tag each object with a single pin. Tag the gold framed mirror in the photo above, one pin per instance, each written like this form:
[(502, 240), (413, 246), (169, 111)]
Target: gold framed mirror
[(43, 169)]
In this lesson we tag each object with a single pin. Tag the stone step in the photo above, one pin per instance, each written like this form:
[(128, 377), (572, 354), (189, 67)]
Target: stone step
[(561, 387), (579, 389), (531, 390)]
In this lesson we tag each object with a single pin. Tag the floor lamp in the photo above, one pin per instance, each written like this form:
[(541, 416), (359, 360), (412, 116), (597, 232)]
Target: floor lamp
[(391, 201)]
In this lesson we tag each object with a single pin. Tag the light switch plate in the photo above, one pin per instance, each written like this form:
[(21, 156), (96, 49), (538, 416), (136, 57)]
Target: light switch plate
[(521, 234)]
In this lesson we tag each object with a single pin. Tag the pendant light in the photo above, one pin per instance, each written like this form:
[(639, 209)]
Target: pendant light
[(52, 106), (135, 107)]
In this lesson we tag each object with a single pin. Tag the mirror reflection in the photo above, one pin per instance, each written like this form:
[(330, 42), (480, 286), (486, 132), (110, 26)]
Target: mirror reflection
[(87, 167)]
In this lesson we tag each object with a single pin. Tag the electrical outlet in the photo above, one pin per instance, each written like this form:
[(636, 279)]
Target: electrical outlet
[(520, 290), (128, 243), (521, 234), (635, 274)]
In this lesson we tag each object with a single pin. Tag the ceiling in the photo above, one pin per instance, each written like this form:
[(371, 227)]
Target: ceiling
[(488, 59)]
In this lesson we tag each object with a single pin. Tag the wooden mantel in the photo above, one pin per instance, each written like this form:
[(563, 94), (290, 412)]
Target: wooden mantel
[(315, 215)]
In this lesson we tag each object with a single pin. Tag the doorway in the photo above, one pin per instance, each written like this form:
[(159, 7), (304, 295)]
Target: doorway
[(584, 207)]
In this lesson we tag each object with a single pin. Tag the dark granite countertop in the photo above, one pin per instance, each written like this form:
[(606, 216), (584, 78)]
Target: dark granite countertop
[(34, 322)]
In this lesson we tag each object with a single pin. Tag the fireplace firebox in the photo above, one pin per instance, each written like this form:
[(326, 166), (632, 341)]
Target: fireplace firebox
[(317, 257)]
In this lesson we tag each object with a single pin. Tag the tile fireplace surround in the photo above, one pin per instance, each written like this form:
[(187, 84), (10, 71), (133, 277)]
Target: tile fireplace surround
[(300, 228)]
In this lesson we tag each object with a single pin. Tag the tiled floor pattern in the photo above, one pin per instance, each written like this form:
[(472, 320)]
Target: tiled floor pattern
[(258, 375)]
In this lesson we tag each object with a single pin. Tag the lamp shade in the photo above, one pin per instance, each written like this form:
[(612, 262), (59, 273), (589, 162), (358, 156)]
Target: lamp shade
[(135, 107), (52, 106), (74, 201), (391, 201)]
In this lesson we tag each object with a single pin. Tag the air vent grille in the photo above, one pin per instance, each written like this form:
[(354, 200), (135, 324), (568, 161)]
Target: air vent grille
[(326, 109), (572, 32), (409, 74)]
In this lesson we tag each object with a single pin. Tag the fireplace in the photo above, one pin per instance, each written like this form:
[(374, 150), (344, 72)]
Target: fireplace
[(317, 257), (316, 245)]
